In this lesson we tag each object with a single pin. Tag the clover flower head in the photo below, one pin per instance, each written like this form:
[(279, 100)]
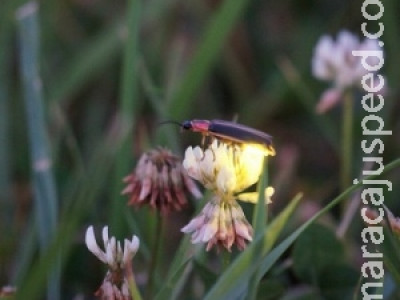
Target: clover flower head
[(160, 181), (117, 258), (334, 61), (226, 170)]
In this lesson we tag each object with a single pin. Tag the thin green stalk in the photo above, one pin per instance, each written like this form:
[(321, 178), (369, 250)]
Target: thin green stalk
[(226, 260), (45, 197), (347, 141), (134, 291), (158, 236)]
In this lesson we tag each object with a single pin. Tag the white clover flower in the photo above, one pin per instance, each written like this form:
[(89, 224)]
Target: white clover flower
[(334, 61), (118, 259), (226, 170)]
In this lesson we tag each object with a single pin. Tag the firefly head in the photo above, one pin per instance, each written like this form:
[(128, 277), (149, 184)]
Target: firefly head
[(187, 125)]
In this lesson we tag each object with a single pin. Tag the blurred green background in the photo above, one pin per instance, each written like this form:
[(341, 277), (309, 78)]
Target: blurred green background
[(110, 71)]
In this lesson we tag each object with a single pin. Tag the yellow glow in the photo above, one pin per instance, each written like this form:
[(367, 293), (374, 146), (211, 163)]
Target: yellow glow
[(251, 162), (258, 149), (227, 169), (253, 196)]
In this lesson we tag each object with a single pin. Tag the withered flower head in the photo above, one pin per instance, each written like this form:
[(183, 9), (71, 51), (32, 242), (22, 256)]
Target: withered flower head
[(221, 223), (160, 181)]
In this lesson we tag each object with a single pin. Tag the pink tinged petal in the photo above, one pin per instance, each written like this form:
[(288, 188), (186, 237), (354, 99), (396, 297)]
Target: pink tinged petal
[(175, 176), (208, 210), (328, 100), (128, 178), (197, 237), (194, 224), (211, 243), (242, 230), (146, 182), (211, 227), (129, 189), (165, 184), (125, 290), (91, 243), (240, 243)]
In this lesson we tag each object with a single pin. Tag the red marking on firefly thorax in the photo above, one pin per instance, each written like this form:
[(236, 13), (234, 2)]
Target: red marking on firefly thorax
[(200, 125)]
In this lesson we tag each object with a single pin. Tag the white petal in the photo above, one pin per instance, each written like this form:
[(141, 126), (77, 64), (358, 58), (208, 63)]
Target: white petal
[(226, 180), (91, 243), (105, 236), (110, 252), (198, 153), (210, 229), (130, 249), (119, 252), (198, 236)]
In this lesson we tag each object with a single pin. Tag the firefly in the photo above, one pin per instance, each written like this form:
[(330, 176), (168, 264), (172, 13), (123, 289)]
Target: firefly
[(230, 132)]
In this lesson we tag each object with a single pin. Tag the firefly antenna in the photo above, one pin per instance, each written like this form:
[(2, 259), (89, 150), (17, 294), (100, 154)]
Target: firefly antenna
[(170, 122)]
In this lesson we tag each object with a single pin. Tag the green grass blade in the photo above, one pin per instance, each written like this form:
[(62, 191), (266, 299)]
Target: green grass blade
[(259, 219), (208, 50), (166, 135), (276, 227), (273, 232), (26, 252), (4, 119), (247, 263), (184, 252), (168, 289), (128, 110), (260, 210), (87, 63), (80, 202), (45, 201)]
